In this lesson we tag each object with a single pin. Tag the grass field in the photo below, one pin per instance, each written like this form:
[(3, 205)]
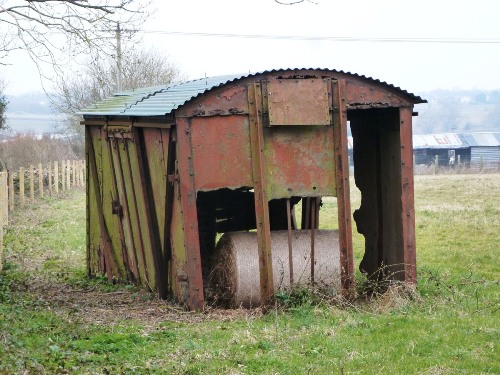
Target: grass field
[(54, 320)]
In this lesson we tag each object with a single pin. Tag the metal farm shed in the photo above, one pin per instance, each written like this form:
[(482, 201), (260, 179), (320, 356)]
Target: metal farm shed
[(484, 148), (429, 146), (171, 168)]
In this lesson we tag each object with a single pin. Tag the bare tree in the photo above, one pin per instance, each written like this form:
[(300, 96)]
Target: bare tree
[(98, 80), (293, 2), (51, 30)]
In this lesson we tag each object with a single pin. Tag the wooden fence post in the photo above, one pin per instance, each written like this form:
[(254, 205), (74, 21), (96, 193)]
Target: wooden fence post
[(56, 177), (73, 173), (4, 199), (11, 191), (80, 167), (68, 175), (32, 184), (49, 174), (436, 164), (40, 180), (21, 187), (63, 176)]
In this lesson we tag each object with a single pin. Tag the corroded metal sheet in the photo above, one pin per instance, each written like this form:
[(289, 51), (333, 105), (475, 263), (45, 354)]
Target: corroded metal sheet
[(221, 152), (298, 102), (299, 161)]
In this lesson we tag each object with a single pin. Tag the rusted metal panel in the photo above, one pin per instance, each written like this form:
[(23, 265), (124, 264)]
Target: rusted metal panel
[(407, 195), (228, 100), (190, 216), (343, 192), (299, 161), (221, 152), (260, 196), (298, 102), (360, 95)]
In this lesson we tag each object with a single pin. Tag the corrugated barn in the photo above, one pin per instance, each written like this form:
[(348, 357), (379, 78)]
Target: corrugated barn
[(444, 146), (484, 148), (248, 159)]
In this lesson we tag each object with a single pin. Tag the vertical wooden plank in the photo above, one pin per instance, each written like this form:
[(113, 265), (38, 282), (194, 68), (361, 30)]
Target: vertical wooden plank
[(189, 215), (260, 196), (118, 194), (63, 176), (179, 278), (134, 178), (343, 193), (106, 246), (56, 177), (156, 143), (3, 198), (73, 173), (4, 211), (408, 194), (11, 191), (137, 158), (90, 201), (82, 171), (79, 175), (131, 228), (21, 187), (32, 184), (49, 175), (68, 174), (40, 180)]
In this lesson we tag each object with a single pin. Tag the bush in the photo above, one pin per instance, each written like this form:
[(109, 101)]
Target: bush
[(25, 149)]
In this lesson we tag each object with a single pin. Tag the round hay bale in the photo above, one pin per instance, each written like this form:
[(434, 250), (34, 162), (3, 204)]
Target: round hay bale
[(236, 270)]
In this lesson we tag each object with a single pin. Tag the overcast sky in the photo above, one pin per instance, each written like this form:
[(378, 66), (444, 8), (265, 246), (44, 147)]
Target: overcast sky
[(415, 66)]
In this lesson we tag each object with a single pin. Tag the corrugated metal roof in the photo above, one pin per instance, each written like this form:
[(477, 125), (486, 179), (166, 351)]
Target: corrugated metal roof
[(445, 140), (482, 139), (162, 100)]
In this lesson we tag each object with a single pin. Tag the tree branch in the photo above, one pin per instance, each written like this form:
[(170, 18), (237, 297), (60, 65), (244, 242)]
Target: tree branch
[(295, 2)]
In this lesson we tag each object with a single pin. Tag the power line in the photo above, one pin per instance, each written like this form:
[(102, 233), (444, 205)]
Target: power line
[(330, 38)]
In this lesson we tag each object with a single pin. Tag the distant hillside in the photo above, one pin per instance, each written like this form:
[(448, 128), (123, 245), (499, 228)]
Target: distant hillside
[(31, 103), (30, 113), (458, 111)]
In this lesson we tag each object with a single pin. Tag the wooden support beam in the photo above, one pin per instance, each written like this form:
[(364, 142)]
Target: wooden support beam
[(261, 201), (342, 176), (196, 299), (407, 194)]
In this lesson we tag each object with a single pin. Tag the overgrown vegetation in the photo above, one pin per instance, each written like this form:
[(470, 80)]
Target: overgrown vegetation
[(54, 320), (25, 149)]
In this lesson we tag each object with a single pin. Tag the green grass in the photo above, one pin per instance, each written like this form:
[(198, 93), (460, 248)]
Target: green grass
[(54, 320)]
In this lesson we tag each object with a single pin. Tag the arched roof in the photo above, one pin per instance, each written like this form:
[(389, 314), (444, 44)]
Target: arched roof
[(163, 100)]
